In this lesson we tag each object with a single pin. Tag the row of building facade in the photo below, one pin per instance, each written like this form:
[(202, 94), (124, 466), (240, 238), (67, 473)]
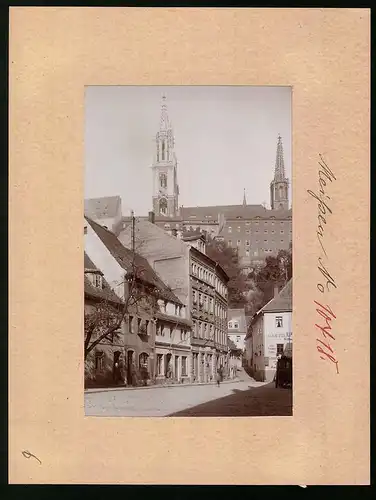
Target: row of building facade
[(175, 323)]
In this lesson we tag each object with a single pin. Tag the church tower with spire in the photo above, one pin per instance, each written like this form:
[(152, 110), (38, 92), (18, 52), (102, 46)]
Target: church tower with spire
[(279, 187), (165, 182)]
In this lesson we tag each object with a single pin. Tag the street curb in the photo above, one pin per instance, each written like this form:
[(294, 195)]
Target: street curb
[(156, 386)]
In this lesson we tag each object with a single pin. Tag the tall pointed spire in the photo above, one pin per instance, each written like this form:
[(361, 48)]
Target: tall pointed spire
[(279, 192), (279, 171), (244, 199), (165, 122), (165, 180)]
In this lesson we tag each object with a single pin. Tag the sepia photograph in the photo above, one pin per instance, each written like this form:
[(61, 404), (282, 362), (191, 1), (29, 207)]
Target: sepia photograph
[(188, 251)]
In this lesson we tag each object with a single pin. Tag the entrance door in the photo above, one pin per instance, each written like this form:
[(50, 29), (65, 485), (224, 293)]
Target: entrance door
[(195, 361), (177, 367), (168, 368), (130, 359), (202, 367), (116, 367)]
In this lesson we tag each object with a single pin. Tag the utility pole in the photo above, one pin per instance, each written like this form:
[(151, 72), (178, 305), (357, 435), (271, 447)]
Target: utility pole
[(133, 231)]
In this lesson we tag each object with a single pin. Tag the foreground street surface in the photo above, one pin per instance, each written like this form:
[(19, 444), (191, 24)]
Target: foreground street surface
[(242, 398), (259, 401)]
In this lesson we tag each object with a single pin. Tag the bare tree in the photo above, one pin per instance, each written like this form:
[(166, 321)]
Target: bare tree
[(105, 320)]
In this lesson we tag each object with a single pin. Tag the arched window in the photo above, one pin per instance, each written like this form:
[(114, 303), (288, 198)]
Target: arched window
[(163, 180), (143, 360), (163, 206), (163, 150)]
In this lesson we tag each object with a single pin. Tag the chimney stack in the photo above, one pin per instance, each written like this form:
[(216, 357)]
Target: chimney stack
[(276, 290), (152, 217)]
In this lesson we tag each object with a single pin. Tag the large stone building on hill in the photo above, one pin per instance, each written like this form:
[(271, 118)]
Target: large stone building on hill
[(253, 229)]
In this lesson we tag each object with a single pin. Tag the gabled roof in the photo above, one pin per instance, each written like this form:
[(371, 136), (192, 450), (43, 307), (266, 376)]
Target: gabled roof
[(282, 302), (130, 261), (237, 314), (102, 208), (89, 264), (105, 293), (192, 236)]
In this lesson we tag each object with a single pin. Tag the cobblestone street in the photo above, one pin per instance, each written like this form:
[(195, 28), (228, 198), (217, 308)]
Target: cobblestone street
[(258, 401), (245, 397)]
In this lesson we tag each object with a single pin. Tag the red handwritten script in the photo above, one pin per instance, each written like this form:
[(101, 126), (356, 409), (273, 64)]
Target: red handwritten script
[(325, 327), (326, 284)]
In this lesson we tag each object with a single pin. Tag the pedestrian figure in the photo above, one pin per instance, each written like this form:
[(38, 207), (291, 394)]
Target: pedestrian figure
[(218, 377)]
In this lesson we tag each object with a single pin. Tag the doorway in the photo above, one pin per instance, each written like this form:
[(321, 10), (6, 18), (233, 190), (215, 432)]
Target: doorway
[(168, 368), (130, 361), (116, 373)]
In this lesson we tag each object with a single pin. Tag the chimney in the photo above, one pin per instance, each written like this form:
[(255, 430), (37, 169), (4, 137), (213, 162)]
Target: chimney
[(152, 217), (276, 291)]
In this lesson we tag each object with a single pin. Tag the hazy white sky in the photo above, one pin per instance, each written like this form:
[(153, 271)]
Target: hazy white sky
[(225, 141)]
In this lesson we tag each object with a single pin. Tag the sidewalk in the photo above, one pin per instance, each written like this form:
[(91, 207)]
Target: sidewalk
[(160, 386)]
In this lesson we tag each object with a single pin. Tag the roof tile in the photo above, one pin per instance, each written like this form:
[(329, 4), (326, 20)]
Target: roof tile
[(130, 261)]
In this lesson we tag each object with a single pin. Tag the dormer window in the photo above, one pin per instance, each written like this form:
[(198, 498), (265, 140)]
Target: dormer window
[(97, 280)]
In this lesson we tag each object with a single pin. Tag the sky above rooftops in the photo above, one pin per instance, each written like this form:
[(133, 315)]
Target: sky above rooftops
[(225, 141)]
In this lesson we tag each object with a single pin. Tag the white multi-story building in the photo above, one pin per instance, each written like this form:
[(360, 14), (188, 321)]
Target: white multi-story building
[(269, 334), (237, 327)]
